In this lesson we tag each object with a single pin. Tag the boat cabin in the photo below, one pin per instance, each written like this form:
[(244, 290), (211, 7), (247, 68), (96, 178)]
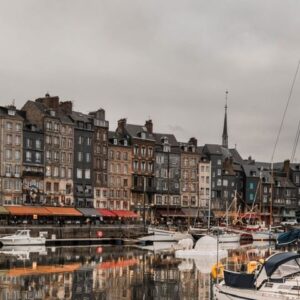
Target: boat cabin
[(276, 269)]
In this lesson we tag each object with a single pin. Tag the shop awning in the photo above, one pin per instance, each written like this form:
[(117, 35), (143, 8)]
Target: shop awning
[(105, 212), (125, 213), (172, 213), (89, 212), (64, 211), (222, 214), (28, 210), (192, 212), (3, 211)]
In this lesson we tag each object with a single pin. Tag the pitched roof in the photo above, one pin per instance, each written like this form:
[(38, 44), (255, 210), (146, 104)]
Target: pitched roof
[(171, 139), (251, 170), (134, 130), (236, 156)]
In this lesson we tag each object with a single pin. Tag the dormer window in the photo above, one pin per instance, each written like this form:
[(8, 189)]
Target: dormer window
[(125, 143), (11, 112), (167, 148), (52, 113), (115, 142), (143, 135)]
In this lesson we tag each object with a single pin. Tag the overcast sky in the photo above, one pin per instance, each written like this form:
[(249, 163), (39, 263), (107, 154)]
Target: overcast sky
[(167, 59)]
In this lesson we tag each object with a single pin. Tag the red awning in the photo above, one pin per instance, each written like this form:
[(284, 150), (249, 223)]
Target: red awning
[(125, 213), (105, 212)]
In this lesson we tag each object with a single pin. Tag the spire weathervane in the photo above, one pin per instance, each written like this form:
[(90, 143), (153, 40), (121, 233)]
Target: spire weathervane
[(225, 131)]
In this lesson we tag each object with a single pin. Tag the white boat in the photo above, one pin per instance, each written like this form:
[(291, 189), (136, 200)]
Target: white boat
[(277, 278), (162, 235), (22, 237), (262, 235), (224, 236)]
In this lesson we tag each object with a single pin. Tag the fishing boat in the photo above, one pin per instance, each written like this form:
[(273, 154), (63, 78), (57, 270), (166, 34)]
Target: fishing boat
[(224, 236), (22, 237), (277, 278)]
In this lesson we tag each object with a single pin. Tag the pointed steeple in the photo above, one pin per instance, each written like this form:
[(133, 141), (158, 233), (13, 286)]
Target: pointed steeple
[(225, 131)]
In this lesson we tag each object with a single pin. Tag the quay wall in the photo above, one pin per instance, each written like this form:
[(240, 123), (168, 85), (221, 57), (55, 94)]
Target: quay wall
[(69, 232)]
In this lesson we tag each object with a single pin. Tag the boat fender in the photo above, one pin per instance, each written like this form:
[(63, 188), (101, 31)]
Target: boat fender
[(217, 271), (251, 266)]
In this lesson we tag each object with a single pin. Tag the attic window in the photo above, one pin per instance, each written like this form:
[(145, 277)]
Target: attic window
[(115, 142), (125, 143), (143, 135), (52, 113), (11, 112)]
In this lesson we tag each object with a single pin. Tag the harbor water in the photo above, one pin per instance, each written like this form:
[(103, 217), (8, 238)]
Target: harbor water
[(112, 272)]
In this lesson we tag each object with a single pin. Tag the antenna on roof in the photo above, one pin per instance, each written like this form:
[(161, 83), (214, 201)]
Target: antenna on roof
[(13, 102)]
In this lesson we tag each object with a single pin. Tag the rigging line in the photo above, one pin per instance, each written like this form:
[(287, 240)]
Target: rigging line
[(295, 143), (284, 113)]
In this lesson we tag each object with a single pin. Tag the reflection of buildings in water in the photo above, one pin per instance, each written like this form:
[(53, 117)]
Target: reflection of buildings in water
[(37, 282)]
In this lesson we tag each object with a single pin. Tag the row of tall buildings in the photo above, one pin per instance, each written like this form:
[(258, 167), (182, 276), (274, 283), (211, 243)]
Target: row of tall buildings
[(52, 155)]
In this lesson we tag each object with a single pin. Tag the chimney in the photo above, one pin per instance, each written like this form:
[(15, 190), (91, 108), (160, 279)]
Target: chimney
[(193, 141), (149, 126), (286, 167), (121, 125), (49, 101), (66, 107)]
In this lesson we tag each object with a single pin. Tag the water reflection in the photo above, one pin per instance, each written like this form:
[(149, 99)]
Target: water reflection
[(111, 272)]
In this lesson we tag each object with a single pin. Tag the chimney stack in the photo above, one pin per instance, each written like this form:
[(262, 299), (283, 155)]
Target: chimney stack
[(49, 101), (66, 107), (121, 125), (149, 126), (193, 141)]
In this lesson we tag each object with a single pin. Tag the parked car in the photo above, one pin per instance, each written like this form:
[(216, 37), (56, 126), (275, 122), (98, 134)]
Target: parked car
[(289, 222)]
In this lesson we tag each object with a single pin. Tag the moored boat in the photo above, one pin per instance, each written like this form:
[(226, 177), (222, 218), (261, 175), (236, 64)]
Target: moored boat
[(278, 278), (22, 237)]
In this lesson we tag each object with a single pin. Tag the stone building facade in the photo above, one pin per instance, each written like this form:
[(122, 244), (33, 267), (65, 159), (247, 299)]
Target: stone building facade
[(119, 172), (142, 144), (48, 113), (189, 174), (11, 155)]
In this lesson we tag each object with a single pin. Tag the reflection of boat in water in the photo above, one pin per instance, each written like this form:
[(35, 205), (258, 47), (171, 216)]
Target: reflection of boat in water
[(206, 247), (23, 252), (277, 278), (159, 246), (22, 237)]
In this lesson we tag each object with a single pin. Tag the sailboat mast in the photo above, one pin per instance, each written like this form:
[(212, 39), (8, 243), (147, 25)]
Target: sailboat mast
[(272, 193)]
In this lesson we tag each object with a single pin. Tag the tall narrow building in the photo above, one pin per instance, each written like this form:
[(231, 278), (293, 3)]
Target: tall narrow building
[(225, 131)]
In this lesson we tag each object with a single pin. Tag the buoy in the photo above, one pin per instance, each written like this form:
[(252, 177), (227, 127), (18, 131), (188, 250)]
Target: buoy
[(99, 234), (251, 266), (217, 271)]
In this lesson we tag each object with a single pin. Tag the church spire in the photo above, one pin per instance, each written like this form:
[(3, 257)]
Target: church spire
[(225, 131)]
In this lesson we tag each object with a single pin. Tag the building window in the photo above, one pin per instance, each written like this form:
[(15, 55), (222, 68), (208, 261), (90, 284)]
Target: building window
[(88, 157), (56, 186), (150, 166), (219, 172), (17, 155), (18, 140), (143, 166), (8, 139), (48, 125), (79, 156), (219, 162), (38, 144), (80, 140), (18, 127), (135, 165), (70, 143), (136, 150), (28, 156), (79, 173), (88, 141), (87, 174), (225, 182), (48, 171), (48, 186), (125, 156), (69, 173), (55, 172), (251, 196), (219, 182), (251, 186), (9, 125), (63, 172), (118, 155), (125, 143), (38, 157), (143, 151)]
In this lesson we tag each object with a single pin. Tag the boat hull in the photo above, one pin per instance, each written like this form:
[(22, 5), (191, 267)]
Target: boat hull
[(222, 292), (22, 242)]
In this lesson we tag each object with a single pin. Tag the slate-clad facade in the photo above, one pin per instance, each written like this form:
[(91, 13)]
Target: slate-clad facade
[(167, 172), (83, 160), (33, 165), (100, 157)]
